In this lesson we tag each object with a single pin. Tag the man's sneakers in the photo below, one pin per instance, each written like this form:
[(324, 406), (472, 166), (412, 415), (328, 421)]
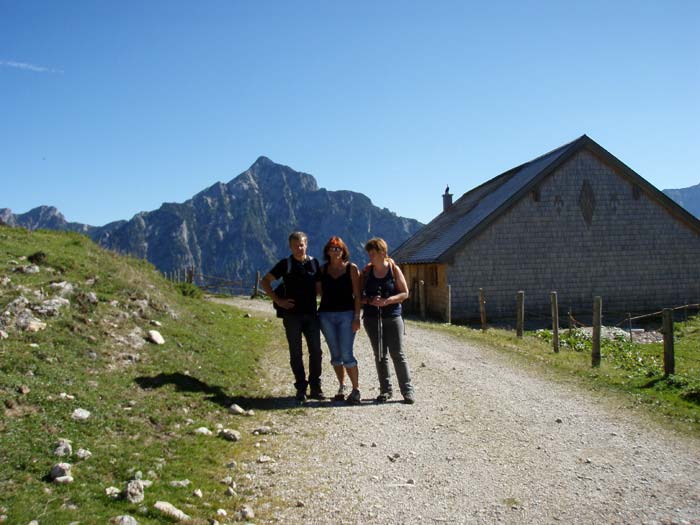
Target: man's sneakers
[(409, 398), (300, 396), (317, 393)]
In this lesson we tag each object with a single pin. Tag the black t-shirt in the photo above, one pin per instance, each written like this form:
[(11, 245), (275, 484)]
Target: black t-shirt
[(300, 283)]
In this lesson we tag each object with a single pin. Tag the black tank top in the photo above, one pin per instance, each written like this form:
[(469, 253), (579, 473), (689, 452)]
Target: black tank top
[(386, 287), (337, 293)]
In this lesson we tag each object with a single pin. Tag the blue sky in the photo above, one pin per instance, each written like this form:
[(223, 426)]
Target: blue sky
[(110, 108)]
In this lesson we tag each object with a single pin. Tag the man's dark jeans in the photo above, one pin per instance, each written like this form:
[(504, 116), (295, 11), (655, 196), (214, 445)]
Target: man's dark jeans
[(308, 324)]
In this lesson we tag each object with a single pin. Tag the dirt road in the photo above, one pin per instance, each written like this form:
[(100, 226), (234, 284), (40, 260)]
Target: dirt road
[(486, 442)]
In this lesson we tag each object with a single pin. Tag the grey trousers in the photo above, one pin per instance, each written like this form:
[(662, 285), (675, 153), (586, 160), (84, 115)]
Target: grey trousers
[(392, 341)]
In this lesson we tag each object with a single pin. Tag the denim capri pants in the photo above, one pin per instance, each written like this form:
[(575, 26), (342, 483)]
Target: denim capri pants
[(337, 329)]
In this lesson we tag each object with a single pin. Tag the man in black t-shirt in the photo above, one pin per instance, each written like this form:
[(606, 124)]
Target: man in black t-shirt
[(300, 274)]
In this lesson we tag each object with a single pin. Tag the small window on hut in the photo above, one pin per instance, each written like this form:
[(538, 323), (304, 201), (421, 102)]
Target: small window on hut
[(535, 194)]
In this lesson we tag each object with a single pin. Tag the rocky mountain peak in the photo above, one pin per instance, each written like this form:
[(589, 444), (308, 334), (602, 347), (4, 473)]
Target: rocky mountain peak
[(267, 176), (233, 230)]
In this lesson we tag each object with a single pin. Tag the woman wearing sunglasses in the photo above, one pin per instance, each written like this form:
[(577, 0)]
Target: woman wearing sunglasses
[(340, 314)]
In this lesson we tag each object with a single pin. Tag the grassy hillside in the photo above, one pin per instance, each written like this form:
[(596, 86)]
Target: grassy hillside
[(145, 399)]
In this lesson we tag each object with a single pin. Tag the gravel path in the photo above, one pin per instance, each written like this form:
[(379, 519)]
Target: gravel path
[(486, 442)]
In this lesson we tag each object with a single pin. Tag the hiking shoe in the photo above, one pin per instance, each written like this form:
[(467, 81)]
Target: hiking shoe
[(354, 397), (409, 398), (340, 396), (317, 393), (383, 397), (300, 396)]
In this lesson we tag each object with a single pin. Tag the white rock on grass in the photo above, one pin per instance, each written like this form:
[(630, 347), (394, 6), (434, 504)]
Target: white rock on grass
[(134, 491), (235, 409), (80, 414), (60, 470), (228, 480), (180, 483), (63, 288), (155, 337), (92, 298), (4, 334), (246, 512), (197, 493), (124, 520), (83, 453), (69, 397), (170, 510), (230, 435), (265, 459), (63, 448), (27, 322), (204, 431), (63, 480), (113, 492), (51, 307), (263, 430)]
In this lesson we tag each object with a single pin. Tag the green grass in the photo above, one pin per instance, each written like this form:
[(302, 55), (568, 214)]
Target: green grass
[(140, 400), (631, 370)]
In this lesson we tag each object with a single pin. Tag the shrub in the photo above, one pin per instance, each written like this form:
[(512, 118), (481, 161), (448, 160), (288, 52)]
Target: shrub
[(189, 290)]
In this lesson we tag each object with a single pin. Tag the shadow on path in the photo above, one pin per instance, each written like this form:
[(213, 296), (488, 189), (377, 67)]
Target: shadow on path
[(217, 395)]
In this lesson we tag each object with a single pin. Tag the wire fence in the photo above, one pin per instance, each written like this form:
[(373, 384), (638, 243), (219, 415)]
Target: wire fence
[(660, 321), (211, 283)]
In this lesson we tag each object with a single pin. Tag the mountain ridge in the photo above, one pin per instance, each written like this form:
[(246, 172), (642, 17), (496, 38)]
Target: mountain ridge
[(688, 197), (231, 230)]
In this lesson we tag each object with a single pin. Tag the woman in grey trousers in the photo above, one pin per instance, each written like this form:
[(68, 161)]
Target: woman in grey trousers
[(383, 290)]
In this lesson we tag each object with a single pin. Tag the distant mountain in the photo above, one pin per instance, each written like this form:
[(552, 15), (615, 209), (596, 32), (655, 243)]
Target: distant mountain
[(689, 198), (49, 218), (232, 230)]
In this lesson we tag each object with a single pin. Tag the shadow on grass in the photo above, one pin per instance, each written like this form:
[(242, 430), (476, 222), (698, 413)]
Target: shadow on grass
[(215, 393), (653, 382)]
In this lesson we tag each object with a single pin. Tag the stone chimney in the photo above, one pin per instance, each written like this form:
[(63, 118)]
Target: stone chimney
[(446, 199)]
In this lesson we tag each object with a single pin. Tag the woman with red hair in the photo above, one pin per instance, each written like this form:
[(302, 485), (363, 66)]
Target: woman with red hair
[(339, 313)]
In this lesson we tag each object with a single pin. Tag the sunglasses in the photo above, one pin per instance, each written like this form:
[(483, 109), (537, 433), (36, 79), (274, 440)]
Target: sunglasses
[(335, 249)]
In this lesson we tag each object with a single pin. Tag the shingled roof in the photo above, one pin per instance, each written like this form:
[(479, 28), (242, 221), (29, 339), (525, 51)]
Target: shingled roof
[(438, 240)]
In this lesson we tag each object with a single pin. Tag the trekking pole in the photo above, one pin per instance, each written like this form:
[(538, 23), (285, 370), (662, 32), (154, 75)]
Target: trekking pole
[(380, 329)]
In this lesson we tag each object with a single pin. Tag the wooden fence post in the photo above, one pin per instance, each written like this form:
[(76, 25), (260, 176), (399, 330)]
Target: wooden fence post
[(555, 321), (571, 321), (190, 274), (520, 313), (629, 323), (597, 319), (669, 357), (449, 304), (255, 286), (482, 309), (421, 293)]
